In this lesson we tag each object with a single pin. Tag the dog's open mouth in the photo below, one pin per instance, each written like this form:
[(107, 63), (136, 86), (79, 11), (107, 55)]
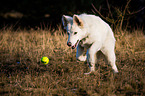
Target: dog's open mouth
[(74, 46)]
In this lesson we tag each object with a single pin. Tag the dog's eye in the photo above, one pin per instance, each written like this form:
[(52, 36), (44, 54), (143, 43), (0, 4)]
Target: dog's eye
[(75, 33)]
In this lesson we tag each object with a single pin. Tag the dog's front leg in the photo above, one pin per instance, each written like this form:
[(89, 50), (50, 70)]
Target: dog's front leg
[(91, 56), (79, 55)]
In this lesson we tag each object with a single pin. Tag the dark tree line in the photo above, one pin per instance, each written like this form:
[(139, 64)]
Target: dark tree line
[(33, 13)]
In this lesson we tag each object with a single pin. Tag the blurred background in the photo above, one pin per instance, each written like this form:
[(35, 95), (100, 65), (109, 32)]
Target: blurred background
[(47, 13)]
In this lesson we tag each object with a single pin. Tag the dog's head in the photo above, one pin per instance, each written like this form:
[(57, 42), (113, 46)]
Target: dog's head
[(75, 29)]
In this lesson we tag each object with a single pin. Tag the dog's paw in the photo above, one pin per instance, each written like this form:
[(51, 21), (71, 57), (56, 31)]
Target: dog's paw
[(87, 73), (115, 71), (91, 72), (82, 58)]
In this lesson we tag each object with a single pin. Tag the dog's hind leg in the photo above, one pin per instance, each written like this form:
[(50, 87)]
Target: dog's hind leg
[(108, 51)]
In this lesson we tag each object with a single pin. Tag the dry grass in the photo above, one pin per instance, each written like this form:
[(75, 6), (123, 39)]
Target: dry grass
[(23, 74)]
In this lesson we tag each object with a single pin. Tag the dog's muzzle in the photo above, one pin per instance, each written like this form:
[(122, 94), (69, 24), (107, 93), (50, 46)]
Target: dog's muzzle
[(74, 46)]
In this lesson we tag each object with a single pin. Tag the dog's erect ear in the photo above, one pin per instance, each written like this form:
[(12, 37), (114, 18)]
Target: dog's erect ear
[(77, 20), (66, 20)]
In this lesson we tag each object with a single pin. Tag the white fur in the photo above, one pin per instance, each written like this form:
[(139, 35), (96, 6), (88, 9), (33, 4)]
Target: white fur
[(92, 33)]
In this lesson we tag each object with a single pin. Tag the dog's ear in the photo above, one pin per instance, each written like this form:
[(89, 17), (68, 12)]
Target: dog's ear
[(66, 20), (77, 21)]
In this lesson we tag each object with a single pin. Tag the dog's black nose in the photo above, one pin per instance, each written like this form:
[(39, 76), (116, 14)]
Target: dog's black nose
[(69, 43)]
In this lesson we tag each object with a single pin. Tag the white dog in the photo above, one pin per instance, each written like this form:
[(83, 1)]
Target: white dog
[(91, 32)]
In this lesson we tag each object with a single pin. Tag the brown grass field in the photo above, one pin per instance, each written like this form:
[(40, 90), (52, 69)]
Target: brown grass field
[(22, 74)]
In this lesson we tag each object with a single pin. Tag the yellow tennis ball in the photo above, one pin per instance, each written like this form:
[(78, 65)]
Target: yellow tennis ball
[(44, 60)]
